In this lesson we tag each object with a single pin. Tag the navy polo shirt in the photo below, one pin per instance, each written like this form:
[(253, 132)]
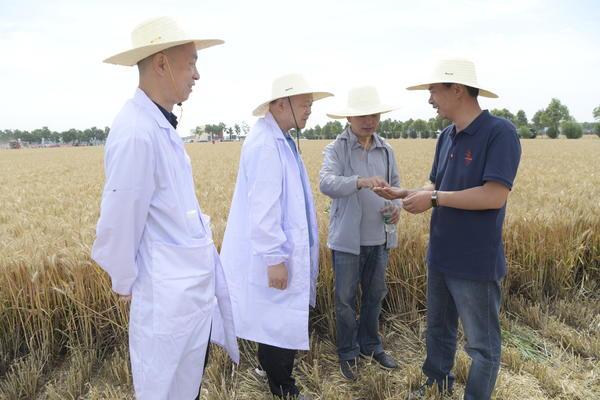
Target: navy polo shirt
[(468, 244), (168, 115)]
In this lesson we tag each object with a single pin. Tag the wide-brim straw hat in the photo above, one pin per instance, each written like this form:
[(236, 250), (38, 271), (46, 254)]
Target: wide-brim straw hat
[(454, 71), (287, 86), (362, 100), (155, 35)]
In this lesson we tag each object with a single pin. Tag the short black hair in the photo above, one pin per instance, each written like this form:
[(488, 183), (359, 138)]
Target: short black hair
[(473, 92)]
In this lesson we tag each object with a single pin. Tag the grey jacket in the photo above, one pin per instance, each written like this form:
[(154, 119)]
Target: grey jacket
[(338, 180)]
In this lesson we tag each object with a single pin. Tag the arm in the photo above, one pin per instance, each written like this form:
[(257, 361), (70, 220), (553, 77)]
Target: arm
[(332, 182), (504, 153), (128, 189), (491, 195), (265, 188)]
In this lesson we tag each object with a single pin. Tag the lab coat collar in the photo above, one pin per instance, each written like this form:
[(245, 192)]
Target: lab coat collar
[(277, 131), (142, 99)]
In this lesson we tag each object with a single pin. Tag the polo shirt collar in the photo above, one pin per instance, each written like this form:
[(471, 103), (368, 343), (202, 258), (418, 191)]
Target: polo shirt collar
[(476, 123), (168, 115)]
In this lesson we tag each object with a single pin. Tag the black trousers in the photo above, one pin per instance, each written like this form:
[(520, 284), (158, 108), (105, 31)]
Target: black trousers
[(278, 363), (205, 363)]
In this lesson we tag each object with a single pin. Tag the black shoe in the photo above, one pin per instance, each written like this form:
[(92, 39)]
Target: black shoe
[(349, 369), (384, 359)]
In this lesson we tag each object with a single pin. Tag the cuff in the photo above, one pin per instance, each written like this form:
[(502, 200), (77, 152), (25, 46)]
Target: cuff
[(274, 260), (123, 287)]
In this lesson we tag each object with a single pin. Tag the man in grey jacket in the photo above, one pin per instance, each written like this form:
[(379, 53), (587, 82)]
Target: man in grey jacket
[(356, 162)]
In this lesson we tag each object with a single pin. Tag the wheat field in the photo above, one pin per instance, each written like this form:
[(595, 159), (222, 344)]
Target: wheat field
[(63, 334)]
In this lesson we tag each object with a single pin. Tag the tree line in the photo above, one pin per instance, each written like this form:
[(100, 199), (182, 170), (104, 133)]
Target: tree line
[(551, 121), (44, 135)]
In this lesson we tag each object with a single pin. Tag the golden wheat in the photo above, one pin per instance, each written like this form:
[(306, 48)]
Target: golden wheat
[(63, 334)]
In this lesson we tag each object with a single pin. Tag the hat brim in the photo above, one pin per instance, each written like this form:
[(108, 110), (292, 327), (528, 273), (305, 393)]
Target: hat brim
[(482, 92), (262, 109), (355, 112), (132, 56)]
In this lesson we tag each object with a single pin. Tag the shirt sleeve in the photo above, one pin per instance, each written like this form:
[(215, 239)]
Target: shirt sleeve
[(129, 166), (395, 181), (434, 166), (265, 190), (332, 181), (503, 156)]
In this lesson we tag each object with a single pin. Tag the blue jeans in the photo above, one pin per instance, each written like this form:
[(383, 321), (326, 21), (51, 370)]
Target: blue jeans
[(477, 304), (368, 268)]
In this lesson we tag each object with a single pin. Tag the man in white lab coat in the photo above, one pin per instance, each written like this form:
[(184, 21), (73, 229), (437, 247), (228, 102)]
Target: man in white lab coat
[(271, 247), (152, 238)]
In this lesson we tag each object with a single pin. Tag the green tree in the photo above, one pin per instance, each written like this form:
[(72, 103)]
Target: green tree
[(572, 129), (198, 131), (597, 129), (384, 128), (318, 132), (521, 118), (432, 124), (420, 127), (215, 130), (552, 132), (537, 121), (69, 136), (554, 114), (397, 129), (331, 129), (524, 132), (504, 113), (437, 125), (597, 113)]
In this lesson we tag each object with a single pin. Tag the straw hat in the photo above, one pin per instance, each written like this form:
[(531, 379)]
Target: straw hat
[(362, 101), (455, 71), (286, 86), (155, 35)]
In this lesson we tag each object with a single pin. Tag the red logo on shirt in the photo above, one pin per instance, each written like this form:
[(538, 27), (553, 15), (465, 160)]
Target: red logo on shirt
[(468, 157)]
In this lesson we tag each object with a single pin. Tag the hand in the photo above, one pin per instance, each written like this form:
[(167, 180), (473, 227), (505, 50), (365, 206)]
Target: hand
[(395, 215), (371, 182), (418, 202), (391, 193), (278, 276)]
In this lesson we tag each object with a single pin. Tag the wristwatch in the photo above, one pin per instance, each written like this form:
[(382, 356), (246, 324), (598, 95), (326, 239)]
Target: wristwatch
[(434, 198)]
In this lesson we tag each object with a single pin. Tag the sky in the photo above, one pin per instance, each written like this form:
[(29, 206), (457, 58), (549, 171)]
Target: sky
[(527, 51)]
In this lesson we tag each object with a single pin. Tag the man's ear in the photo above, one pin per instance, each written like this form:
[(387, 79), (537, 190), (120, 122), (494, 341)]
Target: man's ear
[(279, 104), (459, 90), (159, 63)]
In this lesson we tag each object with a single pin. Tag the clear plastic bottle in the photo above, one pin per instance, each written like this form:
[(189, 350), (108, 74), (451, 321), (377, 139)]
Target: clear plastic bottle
[(387, 211)]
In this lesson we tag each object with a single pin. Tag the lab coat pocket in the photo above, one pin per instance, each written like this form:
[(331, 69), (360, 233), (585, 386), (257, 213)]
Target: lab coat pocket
[(183, 285), (298, 264), (195, 224)]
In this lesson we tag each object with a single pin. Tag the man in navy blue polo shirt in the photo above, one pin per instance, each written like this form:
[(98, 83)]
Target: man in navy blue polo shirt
[(475, 164)]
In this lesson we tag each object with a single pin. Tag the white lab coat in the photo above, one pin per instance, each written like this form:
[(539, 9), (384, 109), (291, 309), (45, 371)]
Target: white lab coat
[(156, 245), (267, 225)]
